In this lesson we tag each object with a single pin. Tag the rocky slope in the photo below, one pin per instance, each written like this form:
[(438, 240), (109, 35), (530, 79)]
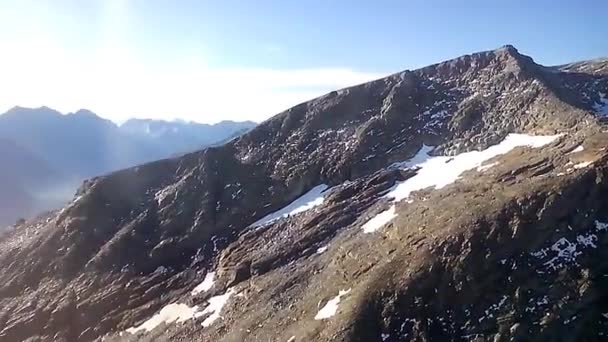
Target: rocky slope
[(207, 247)]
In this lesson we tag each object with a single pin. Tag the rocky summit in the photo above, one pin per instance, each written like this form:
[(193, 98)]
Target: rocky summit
[(464, 201)]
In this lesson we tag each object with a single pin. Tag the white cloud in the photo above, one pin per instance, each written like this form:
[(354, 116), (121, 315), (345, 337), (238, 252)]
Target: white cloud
[(46, 61), (118, 86)]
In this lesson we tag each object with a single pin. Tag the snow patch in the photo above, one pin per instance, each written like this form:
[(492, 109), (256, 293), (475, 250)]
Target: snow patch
[(487, 166), (331, 307), (311, 199), (379, 220), (601, 107), (205, 285), (583, 165), (321, 250), (563, 252), (587, 241), (421, 156), (439, 171), (181, 312), (214, 308), (579, 148), (565, 249), (168, 314), (601, 226)]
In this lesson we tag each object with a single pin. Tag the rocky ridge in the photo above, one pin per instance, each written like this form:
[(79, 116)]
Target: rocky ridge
[(510, 251)]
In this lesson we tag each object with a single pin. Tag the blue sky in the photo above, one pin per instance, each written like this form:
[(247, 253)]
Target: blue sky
[(213, 60)]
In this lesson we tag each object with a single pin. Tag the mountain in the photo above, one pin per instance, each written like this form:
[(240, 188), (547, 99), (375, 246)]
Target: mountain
[(23, 175), (88, 145), (21, 166), (81, 145), (185, 136), (464, 201)]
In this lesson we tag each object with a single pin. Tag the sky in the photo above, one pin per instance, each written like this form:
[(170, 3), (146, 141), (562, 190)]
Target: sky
[(208, 61)]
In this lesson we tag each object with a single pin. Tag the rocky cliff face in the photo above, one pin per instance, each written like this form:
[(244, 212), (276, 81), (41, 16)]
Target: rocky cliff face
[(406, 242)]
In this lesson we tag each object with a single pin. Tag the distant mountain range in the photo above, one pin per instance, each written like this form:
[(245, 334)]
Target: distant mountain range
[(185, 135), (45, 154)]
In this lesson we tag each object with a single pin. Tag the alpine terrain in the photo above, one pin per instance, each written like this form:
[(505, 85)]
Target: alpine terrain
[(464, 201), (45, 155)]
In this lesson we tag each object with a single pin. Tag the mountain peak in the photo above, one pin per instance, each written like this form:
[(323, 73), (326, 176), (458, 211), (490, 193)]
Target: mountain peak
[(85, 112), (503, 59), (509, 49), (43, 110), (512, 52)]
